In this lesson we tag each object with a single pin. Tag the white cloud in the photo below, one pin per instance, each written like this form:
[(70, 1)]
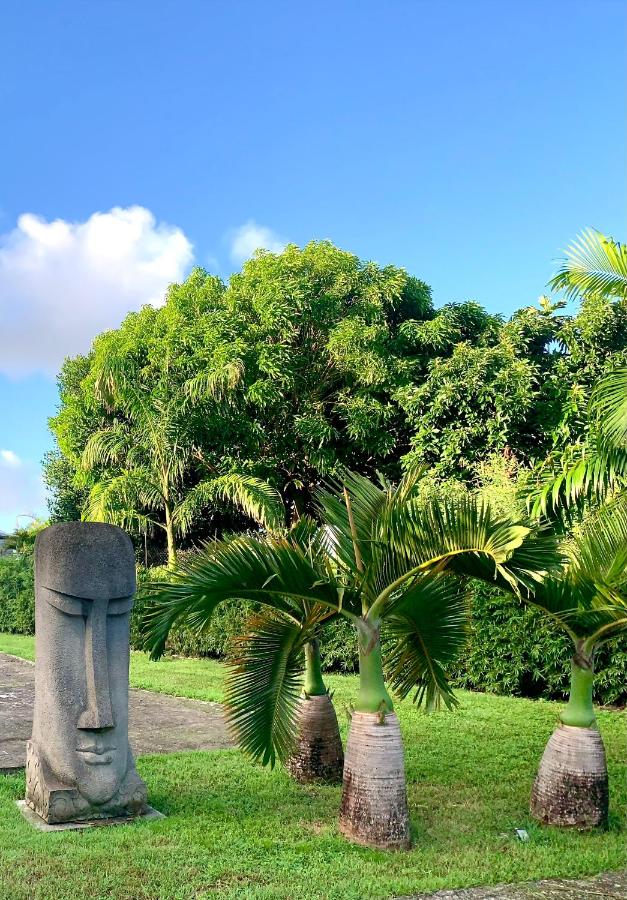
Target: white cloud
[(22, 491), (62, 283), (250, 237), (10, 459)]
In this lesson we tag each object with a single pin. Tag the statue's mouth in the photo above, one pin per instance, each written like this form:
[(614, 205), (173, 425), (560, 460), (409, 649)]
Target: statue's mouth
[(96, 756)]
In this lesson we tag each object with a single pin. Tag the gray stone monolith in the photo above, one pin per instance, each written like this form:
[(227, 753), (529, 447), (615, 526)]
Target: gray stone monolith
[(79, 765)]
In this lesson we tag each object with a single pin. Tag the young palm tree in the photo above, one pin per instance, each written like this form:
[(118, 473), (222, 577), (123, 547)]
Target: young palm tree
[(148, 458), (381, 556), (588, 600)]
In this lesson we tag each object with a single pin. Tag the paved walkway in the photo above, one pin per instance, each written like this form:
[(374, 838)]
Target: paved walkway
[(611, 886), (158, 723)]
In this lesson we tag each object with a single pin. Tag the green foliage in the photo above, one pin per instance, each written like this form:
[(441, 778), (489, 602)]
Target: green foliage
[(510, 649), (380, 555), (513, 649), (23, 539), (469, 405), (594, 265), (17, 594), (226, 623)]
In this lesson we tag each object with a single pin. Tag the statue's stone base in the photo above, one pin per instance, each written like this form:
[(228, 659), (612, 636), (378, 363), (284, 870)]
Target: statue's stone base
[(56, 803), (37, 822)]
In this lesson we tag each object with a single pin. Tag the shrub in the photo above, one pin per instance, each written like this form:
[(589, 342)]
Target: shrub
[(227, 621), (17, 594), (514, 649), (511, 648)]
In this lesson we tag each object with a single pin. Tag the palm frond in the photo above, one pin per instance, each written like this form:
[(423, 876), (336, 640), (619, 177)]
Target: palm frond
[(256, 498), (271, 571), (427, 629), (594, 475), (609, 404), (468, 538), (265, 667), (216, 384), (120, 500), (366, 502), (588, 596), (107, 446), (594, 264)]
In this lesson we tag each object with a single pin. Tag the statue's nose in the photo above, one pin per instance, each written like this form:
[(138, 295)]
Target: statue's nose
[(98, 713)]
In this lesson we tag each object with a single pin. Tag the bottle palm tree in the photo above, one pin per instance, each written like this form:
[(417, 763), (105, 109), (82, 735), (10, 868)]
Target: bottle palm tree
[(588, 600), (312, 746), (380, 557)]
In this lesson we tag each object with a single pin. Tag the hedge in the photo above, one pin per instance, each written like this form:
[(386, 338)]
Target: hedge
[(511, 648), (17, 594)]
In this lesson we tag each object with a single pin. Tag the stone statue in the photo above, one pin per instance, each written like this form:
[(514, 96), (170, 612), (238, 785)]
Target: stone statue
[(79, 765)]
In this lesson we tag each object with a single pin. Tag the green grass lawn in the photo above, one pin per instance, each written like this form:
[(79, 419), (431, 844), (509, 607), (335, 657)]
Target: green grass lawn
[(236, 830)]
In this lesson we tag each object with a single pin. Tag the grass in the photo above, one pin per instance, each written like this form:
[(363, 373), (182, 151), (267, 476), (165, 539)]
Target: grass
[(236, 830)]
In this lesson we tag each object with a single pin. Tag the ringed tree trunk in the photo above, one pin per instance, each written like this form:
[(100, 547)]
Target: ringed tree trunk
[(374, 809), (169, 531), (571, 787), (318, 753)]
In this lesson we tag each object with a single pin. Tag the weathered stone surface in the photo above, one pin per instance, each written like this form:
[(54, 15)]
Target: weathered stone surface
[(158, 723), (79, 764), (609, 886)]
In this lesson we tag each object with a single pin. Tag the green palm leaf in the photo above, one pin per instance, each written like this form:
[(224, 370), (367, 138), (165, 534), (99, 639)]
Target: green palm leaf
[(588, 598), (468, 538), (256, 498), (366, 502), (216, 384), (107, 446), (272, 571), (119, 499), (262, 688), (609, 404), (594, 476), (265, 668), (594, 264), (427, 629)]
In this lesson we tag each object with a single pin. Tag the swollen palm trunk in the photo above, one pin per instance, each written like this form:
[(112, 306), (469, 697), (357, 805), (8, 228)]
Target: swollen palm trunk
[(571, 787), (318, 754), (374, 797)]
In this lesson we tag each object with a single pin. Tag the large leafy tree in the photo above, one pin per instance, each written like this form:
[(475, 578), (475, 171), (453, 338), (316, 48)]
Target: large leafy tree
[(316, 338), (147, 454), (310, 360), (383, 556)]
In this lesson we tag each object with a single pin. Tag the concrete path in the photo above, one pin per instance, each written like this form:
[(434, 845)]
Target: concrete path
[(158, 723), (610, 886)]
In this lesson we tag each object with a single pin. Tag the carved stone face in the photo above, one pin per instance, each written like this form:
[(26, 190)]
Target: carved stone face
[(85, 580), (84, 725)]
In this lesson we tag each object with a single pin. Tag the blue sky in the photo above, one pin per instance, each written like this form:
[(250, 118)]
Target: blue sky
[(468, 142)]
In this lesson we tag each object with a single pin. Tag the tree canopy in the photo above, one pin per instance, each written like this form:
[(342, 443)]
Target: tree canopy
[(307, 362)]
